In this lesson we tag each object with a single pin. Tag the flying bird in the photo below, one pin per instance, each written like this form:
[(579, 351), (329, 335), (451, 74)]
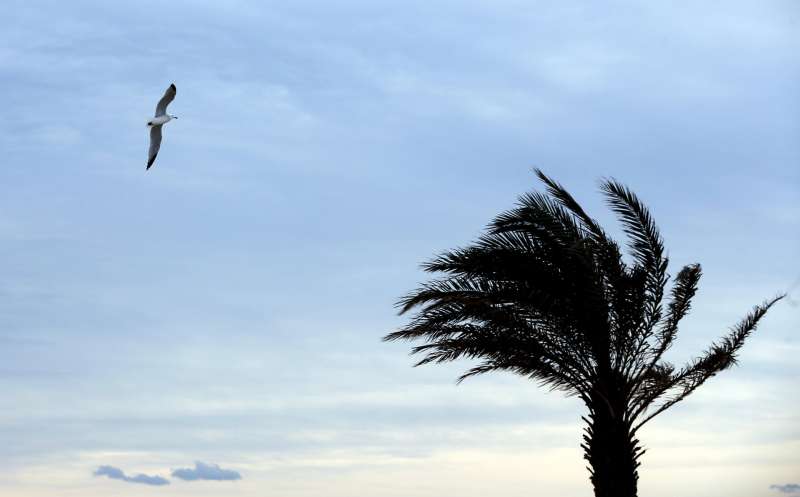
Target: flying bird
[(158, 121)]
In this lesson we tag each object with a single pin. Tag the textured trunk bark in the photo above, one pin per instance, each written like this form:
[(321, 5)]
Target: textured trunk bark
[(612, 453)]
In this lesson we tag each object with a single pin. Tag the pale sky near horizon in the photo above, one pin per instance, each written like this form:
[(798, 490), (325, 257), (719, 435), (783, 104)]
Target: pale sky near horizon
[(227, 305)]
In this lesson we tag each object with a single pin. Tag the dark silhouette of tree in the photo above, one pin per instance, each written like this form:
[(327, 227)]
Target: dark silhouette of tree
[(545, 293)]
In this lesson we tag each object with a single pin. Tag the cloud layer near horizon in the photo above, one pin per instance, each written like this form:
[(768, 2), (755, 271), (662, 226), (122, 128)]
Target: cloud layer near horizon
[(787, 488), (203, 471), (115, 473)]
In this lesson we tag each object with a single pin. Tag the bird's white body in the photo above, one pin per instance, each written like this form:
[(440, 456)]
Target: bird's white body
[(158, 121)]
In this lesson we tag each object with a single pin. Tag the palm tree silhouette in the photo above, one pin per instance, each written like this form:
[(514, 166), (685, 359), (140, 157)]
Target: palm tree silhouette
[(545, 293)]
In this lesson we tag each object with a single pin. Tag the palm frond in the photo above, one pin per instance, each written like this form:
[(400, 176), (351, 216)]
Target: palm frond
[(683, 290), (718, 357), (646, 243), (647, 248)]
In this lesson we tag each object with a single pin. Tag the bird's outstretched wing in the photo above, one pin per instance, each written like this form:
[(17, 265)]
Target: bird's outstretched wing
[(168, 97), (155, 144)]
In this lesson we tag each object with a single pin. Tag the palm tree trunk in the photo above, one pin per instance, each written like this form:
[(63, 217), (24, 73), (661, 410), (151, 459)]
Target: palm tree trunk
[(612, 452)]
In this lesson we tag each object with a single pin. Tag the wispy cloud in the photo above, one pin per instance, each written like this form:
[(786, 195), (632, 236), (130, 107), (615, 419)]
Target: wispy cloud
[(117, 474), (203, 471), (788, 488)]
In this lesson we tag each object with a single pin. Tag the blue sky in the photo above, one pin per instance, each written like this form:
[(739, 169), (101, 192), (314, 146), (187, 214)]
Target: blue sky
[(227, 306)]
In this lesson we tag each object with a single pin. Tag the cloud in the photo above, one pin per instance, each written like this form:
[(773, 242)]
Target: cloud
[(203, 471), (789, 488), (148, 480), (118, 474)]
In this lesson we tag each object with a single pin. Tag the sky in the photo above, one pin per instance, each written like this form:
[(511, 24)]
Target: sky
[(215, 323)]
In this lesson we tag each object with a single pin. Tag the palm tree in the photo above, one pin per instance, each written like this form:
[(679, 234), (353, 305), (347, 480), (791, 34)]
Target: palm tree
[(545, 293)]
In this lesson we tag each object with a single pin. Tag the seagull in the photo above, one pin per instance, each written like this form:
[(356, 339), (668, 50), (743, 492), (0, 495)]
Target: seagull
[(159, 120)]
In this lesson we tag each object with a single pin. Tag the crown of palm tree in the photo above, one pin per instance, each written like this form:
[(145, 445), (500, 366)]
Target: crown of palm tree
[(545, 293)]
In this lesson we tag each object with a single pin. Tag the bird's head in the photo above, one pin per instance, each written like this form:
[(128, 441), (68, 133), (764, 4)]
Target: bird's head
[(174, 117)]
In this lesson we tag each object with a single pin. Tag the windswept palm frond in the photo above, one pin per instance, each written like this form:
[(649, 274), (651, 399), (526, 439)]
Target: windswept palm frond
[(719, 357)]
